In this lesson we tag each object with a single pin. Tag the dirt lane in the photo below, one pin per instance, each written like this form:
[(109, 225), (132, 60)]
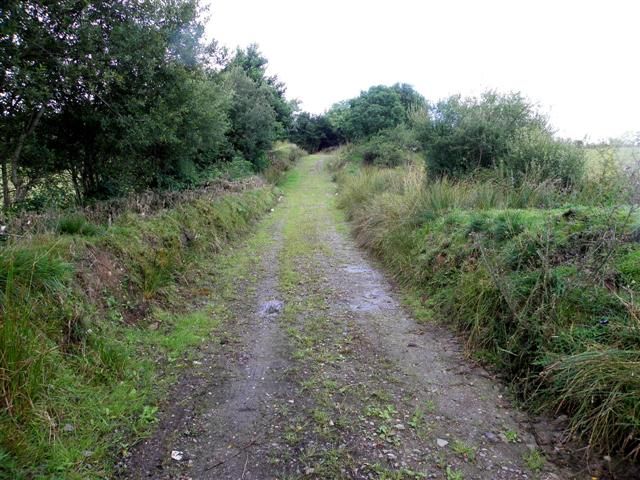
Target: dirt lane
[(328, 375)]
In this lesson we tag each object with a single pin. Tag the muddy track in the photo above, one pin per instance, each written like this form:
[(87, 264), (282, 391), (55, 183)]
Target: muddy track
[(328, 376), (214, 419)]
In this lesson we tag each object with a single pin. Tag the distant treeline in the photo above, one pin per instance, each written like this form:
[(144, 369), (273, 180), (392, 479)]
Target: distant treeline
[(456, 136), (102, 98)]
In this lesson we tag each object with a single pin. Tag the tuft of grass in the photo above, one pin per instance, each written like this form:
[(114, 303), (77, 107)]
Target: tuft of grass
[(76, 224), (464, 450), (453, 474), (33, 269), (600, 389), (534, 460)]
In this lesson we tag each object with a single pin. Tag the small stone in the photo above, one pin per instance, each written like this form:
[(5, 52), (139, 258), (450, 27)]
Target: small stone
[(68, 428), (272, 307), (492, 437), (391, 456), (177, 455), (560, 421), (399, 426), (441, 442)]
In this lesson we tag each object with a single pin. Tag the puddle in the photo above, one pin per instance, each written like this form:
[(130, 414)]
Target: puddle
[(357, 269), (372, 301)]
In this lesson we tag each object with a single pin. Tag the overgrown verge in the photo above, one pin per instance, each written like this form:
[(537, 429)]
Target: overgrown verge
[(89, 332), (542, 282), (232, 177)]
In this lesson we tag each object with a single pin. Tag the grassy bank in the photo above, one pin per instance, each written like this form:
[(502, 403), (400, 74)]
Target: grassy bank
[(93, 328), (541, 281)]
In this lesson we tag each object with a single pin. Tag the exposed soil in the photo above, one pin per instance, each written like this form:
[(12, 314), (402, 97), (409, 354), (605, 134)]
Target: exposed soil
[(324, 374)]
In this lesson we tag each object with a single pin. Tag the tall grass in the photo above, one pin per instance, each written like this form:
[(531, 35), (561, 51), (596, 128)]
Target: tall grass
[(600, 389), (542, 279), (30, 281), (282, 157)]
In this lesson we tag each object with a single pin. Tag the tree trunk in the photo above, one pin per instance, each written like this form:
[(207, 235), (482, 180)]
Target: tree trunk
[(15, 157), (5, 186)]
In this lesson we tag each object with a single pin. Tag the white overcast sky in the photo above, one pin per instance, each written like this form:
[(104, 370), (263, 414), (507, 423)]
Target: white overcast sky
[(579, 60)]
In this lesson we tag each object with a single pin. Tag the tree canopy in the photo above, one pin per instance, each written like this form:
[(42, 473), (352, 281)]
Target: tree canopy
[(462, 135), (117, 96), (374, 110)]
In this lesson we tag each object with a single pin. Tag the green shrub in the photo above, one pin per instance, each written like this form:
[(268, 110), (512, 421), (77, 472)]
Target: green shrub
[(237, 168), (389, 148), (76, 224), (496, 131)]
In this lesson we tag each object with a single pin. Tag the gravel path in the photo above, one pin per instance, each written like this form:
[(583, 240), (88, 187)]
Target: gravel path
[(327, 375)]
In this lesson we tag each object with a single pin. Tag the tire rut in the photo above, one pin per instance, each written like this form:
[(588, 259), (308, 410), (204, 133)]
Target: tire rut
[(216, 417)]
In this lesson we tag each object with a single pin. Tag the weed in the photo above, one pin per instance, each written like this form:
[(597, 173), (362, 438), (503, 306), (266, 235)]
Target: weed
[(148, 414), (534, 460), (464, 450), (429, 405), (387, 434), (511, 436), (384, 413), (416, 419), (453, 474), (383, 473)]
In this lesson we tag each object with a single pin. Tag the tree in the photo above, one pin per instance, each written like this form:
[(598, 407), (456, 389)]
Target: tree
[(122, 95), (378, 108), (34, 42), (254, 65), (313, 132), (464, 135), (253, 119)]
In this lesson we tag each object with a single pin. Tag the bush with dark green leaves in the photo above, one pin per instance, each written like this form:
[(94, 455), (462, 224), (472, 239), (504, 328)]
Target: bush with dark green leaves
[(314, 132), (505, 132), (378, 108), (389, 148)]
